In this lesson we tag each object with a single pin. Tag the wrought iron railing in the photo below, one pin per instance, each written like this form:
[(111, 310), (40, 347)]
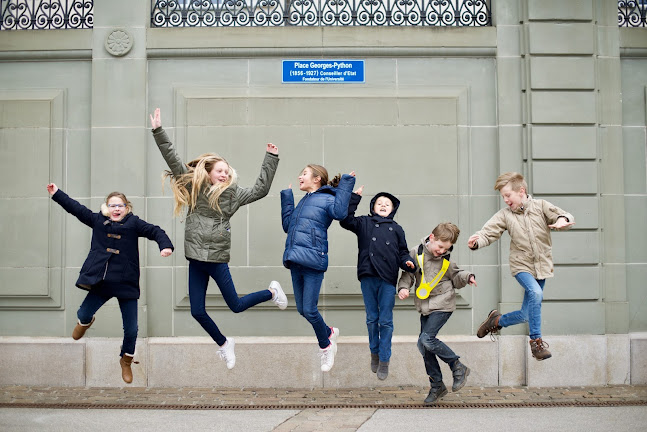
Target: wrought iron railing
[(273, 13), (632, 13), (46, 14)]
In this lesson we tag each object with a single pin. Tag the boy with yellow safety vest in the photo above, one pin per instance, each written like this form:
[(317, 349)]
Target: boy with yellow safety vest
[(434, 284)]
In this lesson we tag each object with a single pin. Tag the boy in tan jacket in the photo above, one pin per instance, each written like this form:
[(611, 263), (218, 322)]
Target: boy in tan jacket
[(528, 222), (434, 284)]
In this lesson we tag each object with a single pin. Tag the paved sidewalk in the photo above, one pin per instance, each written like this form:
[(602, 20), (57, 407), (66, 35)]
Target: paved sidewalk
[(301, 399)]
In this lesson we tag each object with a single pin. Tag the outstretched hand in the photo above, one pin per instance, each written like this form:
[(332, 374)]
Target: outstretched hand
[(472, 280), (156, 119), (52, 188), (561, 223), (360, 190), (473, 241), (271, 148), (352, 174)]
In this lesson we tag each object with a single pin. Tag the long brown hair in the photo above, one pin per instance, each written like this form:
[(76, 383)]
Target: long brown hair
[(319, 171), (187, 186)]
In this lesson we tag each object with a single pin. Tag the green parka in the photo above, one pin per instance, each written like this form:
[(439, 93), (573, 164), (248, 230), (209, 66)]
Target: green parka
[(207, 235)]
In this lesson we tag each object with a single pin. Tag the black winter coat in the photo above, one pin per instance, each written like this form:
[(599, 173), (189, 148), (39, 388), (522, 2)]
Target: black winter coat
[(381, 241), (112, 266)]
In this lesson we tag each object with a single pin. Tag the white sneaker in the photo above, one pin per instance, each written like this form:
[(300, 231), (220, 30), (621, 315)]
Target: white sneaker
[(334, 334), (226, 353), (327, 357), (279, 298)]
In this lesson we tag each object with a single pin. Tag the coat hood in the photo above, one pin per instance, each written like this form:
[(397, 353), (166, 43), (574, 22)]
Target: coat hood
[(394, 200)]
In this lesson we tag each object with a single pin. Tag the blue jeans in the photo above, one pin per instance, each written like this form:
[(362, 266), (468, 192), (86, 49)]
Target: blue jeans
[(128, 307), (199, 272), (379, 300), (530, 308), (431, 347), (306, 284)]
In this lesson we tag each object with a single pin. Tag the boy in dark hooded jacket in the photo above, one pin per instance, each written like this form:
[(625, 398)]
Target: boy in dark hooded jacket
[(382, 252)]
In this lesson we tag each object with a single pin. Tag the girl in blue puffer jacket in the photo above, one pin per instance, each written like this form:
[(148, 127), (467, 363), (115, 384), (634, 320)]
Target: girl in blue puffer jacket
[(306, 247)]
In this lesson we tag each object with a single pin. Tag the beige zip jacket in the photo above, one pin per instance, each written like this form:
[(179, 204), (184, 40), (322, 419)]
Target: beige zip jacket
[(443, 296), (530, 243)]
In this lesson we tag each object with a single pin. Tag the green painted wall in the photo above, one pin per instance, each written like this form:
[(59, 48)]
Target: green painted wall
[(555, 92)]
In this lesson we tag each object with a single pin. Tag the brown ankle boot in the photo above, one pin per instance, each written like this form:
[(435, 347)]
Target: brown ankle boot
[(80, 329), (490, 325), (538, 349), (126, 371)]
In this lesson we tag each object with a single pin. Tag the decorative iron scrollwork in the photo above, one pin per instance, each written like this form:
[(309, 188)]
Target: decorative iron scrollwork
[(46, 14), (632, 13), (235, 13)]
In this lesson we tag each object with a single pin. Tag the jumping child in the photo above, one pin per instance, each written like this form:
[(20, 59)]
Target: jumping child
[(112, 266), (208, 189)]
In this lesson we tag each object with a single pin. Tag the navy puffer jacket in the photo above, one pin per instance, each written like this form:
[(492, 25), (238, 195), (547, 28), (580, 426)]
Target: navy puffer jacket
[(112, 266), (307, 224), (381, 241)]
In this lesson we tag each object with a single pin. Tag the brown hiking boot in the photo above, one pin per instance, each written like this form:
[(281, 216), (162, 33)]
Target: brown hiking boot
[(126, 371), (538, 348), (80, 329), (490, 325)]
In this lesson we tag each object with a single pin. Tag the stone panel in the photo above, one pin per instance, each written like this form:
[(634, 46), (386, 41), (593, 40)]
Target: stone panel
[(427, 111), (512, 360), (102, 366), (574, 283), (587, 355), (572, 318), (549, 37), (564, 107), (568, 73), (564, 177), (509, 84), (636, 209), (634, 157), (52, 362), (25, 155), (564, 142), (24, 233), (346, 149), (638, 354), (636, 275), (576, 247), (560, 10), (482, 151), (634, 79), (217, 112), (618, 359)]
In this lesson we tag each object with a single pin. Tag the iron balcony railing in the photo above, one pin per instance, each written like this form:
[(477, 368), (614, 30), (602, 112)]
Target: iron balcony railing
[(46, 14), (632, 13), (276, 13)]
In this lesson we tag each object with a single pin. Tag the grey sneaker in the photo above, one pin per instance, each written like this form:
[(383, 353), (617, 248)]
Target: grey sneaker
[(382, 370), (375, 361), (460, 373)]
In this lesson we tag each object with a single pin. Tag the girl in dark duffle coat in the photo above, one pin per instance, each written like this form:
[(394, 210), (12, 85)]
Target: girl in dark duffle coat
[(112, 266), (382, 253), (306, 246)]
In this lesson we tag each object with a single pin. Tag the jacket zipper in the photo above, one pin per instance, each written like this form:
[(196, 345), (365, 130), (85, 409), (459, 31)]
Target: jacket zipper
[(299, 215)]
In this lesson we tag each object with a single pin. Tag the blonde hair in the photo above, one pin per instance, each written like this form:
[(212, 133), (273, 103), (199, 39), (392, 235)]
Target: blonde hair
[(186, 187), (319, 171), (514, 179), (446, 231)]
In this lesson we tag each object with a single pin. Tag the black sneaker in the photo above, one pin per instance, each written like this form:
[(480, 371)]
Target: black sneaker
[(436, 393)]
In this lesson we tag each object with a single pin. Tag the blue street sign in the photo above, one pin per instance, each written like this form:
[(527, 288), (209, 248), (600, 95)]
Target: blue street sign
[(323, 71)]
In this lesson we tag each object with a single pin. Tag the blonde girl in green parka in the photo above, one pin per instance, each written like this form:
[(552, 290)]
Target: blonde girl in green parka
[(207, 188)]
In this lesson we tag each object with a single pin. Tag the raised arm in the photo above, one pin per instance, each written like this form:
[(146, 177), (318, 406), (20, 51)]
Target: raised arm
[(264, 181), (350, 222), (287, 207), (556, 218), (165, 146), (491, 231), (339, 209), (156, 234), (73, 207)]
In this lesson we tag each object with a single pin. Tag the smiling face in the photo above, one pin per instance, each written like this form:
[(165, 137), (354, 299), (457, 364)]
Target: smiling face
[(219, 173), (438, 247), (117, 209), (513, 199), (383, 206), (309, 182)]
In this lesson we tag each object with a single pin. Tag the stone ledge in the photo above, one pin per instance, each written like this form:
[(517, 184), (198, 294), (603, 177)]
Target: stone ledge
[(292, 362)]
